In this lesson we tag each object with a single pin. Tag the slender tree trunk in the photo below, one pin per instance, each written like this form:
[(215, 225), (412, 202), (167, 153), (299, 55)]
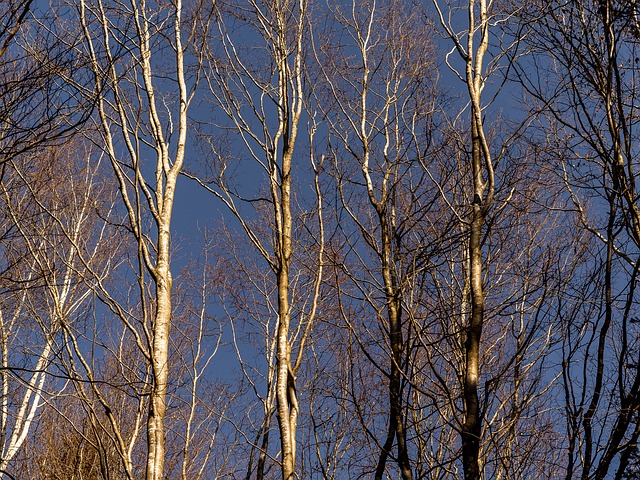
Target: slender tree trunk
[(160, 356), (282, 24), (396, 427), (159, 203), (285, 386), (287, 407), (483, 190), (290, 102), (471, 428)]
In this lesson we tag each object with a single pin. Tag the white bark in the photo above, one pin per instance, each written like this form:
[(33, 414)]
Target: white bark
[(159, 200), (282, 26)]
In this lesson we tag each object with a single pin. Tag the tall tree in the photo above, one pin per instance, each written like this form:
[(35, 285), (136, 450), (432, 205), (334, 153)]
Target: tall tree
[(377, 94), (585, 82), (52, 214), (262, 97), (472, 53), (141, 113)]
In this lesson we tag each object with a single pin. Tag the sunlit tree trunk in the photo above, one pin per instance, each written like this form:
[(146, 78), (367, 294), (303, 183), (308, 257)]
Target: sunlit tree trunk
[(269, 139), (482, 182), (140, 194)]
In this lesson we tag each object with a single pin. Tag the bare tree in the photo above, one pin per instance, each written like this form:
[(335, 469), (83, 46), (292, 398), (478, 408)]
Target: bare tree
[(38, 106), (479, 51), (472, 55), (141, 110), (44, 284), (262, 97), (377, 93), (588, 92)]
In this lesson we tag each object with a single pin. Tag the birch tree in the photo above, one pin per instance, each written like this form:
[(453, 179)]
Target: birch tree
[(51, 214), (263, 99), (481, 52), (472, 53), (377, 94), (143, 125)]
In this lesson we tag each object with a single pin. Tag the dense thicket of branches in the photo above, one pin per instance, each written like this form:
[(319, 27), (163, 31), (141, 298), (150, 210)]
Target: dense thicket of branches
[(418, 247)]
